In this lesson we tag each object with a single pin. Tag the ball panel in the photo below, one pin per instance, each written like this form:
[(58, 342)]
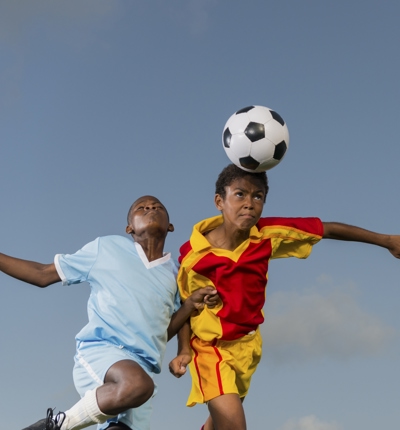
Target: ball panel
[(275, 132), (255, 131), (249, 163), (267, 165), (263, 150), (280, 150), (240, 145), (226, 138), (277, 117), (260, 114), (246, 109), (237, 123)]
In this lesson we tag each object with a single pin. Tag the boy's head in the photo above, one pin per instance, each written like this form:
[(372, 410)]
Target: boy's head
[(231, 172), (240, 197), (148, 215)]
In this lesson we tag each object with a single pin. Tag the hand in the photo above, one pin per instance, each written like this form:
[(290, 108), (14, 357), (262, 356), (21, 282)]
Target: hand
[(178, 365), (204, 296), (394, 245), (211, 300)]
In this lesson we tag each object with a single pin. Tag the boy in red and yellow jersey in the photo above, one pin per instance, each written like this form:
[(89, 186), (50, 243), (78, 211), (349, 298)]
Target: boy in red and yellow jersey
[(231, 252)]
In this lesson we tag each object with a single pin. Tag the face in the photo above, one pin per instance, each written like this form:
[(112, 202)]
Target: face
[(148, 214), (243, 203)]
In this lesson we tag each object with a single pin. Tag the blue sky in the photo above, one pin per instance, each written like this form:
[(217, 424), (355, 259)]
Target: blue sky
[(104, 101)]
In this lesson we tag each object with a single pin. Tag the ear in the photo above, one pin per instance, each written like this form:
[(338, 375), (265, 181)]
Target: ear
[(218, 201), (129, 229), (171, 228)]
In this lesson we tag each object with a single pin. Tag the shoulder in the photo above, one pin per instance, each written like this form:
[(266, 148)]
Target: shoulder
[(114, 241), (114, 238), (309, 224)]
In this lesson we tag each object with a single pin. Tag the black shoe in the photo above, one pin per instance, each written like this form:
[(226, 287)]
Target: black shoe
[(48, 423)]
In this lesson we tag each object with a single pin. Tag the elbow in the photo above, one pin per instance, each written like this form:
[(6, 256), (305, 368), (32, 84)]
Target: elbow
[(43, 284), (46, 276), (49, 276), (40, 282), (170, 335)]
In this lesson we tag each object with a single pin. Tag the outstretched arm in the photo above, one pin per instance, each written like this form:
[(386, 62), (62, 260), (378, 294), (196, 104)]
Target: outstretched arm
[(340, 231), (41, 275)]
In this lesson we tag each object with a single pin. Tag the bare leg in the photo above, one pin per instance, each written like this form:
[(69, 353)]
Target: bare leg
[(226, 413), (208, 425), (126, 386), (118, 426)]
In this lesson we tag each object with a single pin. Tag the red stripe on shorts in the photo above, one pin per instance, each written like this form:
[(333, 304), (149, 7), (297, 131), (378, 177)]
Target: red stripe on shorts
[(196, 355), (217, 367)]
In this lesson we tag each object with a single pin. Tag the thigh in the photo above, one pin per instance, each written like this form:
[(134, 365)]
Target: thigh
[(92, 363), (247, 356), (227, 412), (94, 359), (128, 372), (212, 372), (223, 367)]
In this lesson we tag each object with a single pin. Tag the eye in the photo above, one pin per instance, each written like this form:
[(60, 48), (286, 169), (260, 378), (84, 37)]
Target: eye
[(239, 193)]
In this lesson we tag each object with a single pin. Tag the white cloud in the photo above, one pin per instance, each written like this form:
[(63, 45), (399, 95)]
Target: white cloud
[(320, 322), (310, 422)]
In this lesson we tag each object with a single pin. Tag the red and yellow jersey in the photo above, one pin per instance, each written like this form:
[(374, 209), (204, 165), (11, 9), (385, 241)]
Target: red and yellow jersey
[(240, 276)]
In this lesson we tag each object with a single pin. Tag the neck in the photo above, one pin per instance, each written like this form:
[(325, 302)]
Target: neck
[(223, 238), (152, 247)]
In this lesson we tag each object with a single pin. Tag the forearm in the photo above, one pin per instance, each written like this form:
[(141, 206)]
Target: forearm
[(184, 356), (179, 318), (340, 231), (31, 272), (184, 335)]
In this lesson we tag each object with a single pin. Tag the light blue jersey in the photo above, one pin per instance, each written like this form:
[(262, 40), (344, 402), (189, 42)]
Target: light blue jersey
[(131, 300)]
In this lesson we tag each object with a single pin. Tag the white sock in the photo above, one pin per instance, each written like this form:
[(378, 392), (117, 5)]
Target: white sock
[(84, 413)]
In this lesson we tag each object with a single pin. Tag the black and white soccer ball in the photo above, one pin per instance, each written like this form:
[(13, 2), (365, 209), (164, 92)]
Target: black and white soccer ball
[(255, 138)]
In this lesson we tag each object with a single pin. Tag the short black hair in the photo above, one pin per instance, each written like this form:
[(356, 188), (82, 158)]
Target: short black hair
[(231, 172)]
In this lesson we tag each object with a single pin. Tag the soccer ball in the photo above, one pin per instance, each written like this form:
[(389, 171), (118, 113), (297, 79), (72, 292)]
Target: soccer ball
[(255, 138)]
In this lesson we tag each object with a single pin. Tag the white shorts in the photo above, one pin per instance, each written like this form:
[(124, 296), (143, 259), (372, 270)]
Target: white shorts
[(92, 361)]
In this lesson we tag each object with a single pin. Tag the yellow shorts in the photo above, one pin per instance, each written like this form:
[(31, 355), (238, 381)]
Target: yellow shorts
[(223, 367)]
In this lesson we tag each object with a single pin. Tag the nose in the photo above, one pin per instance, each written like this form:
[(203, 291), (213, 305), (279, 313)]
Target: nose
[(248, 202), (151, 206)]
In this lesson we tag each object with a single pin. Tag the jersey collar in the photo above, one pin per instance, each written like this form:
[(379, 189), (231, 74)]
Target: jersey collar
[(149, 264), (200, 243)]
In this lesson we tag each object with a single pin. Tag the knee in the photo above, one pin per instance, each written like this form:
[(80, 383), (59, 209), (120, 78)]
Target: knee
[(134, 392), (128, 385)]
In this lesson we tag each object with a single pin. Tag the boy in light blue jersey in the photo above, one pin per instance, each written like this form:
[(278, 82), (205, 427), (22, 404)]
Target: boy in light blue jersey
[(133, 310)]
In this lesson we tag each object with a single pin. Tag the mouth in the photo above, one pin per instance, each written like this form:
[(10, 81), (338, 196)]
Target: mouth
[(247, 216), (151, 214)]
